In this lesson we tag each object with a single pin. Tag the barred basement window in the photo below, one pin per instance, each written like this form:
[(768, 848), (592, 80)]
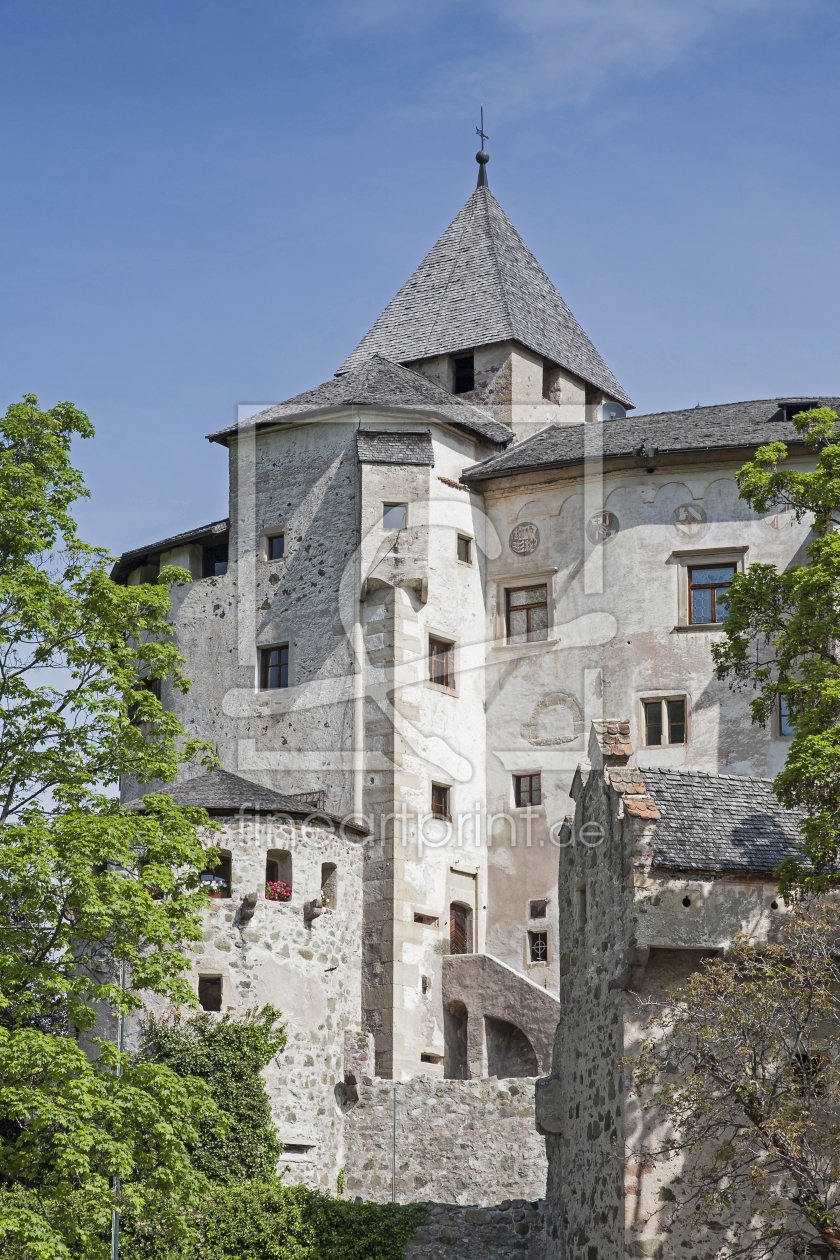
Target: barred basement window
[(538, 945)]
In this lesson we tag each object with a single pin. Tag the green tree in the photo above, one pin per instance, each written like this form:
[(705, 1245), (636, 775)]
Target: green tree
[(744, 1066), (229, 1055), (782, 638), (88, 888)]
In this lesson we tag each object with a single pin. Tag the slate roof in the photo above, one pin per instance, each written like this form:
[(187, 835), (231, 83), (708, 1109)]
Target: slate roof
[(719, 822), (207, 532), (394, 446), (725, 426), (221, 791), (377, 384), (480, 284)]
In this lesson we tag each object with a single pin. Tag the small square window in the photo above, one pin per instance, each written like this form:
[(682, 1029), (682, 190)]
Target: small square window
[(210, 993), (786, 725), (277, 547), (537, 909), (527, 789), (441, 664), (440, 801), (215, 560), (526, 614), (274, 667), (538, 946), (464, 373), (464, 549), (707, 593), (394, 515), (665, 722)]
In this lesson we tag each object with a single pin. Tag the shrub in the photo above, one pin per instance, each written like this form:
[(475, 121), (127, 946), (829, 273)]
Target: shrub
[(229, 1055), (270, 1221)]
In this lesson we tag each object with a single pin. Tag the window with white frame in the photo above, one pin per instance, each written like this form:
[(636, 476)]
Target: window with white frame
[(665, 721)]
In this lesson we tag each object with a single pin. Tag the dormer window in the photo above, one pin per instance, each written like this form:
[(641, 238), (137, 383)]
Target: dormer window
[(793, 409), (464, 373)]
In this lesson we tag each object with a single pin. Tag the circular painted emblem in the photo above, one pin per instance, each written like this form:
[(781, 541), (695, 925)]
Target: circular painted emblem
[(601, 527), (690, 520), (524, 539), (780, 518)]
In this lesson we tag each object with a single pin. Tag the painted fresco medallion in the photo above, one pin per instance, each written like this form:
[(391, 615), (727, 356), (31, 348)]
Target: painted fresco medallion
[(690, 521), (524, 539), (602, 527), (779, 519)]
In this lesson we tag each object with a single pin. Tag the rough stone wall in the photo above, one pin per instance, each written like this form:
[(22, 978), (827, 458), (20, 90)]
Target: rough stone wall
[(511, 1230), (470, 1143)]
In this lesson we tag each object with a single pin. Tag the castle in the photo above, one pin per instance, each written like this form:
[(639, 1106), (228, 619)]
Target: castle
[(453, 636)]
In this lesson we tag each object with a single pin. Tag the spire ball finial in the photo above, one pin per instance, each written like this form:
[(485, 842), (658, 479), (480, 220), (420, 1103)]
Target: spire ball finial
[(482, 157)]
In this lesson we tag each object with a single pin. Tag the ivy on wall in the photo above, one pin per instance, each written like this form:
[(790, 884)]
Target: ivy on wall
[(229, 1054)]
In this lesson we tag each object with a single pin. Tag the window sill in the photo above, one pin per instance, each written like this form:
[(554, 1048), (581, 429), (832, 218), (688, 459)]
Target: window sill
[(444, 691), (717, 627)]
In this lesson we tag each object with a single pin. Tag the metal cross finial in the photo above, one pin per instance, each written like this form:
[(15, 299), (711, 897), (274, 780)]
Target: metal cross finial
[(482, 158), (479, 131)]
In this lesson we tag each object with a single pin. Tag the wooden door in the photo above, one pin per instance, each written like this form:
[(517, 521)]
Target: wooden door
[(458, 928)]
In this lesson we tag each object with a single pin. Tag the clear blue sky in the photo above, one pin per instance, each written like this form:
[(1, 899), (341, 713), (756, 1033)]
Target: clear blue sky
[(208, 204)]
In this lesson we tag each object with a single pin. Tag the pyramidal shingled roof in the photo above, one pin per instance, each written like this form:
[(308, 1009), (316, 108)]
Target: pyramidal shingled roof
[(480, 284)]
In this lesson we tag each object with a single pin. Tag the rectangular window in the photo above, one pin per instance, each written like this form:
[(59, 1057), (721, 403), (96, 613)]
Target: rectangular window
[(538, 946), (441, 669), (786, 726), (582, 908), (464, 373), (274, 667), (464, 549), (537, 909), (440, 801), (526, 614), (277, 547), (707, 589), (665, 721), (210, 993), (216, 560), (527, 789), (394, 515), (428, 920)]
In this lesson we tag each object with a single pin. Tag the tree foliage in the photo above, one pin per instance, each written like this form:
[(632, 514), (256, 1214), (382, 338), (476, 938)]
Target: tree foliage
[(88, 888), (229, 1055), (271, 1221), (783, 640), (743, 1065)]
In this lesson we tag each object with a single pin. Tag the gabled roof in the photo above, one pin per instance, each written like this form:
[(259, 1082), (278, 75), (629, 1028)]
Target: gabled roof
[(728, 426), (377, 384), (221, 791), (480, 284), (719, 822)]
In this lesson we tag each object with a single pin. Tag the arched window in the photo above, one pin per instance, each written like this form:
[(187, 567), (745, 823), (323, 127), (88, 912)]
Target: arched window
[(216, 879), (460, 929), (278, 875), (329, 885)]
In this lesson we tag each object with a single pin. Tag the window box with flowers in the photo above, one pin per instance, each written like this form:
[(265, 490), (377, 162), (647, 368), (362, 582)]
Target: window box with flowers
[(276, 890)]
